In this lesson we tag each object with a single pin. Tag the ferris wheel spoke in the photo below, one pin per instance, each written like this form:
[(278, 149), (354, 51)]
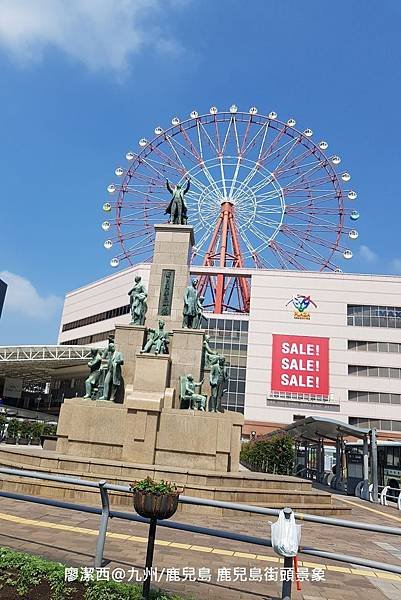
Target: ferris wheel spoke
[(297, 161), (288, 152), (245, 137), (311, 251), (323, 179), (270, 149), (202, 129)]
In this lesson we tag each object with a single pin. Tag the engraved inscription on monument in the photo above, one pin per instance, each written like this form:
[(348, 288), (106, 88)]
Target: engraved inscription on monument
[(166, 292)]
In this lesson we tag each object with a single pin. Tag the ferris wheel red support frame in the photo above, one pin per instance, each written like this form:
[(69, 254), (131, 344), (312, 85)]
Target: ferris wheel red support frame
[(225, 236)]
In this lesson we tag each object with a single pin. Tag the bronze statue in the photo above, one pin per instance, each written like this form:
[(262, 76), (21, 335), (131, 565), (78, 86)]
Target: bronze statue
[(191, 306), (157, 340), (218, 381), (112, 361), (93, 378), (197, 322), (188, 393), (209, 353), (138, 304), (177, 208)]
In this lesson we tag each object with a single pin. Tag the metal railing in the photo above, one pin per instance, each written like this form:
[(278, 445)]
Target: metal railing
[(105, 513)]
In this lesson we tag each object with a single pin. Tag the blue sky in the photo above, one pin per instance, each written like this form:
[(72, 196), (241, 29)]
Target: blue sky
[(83, 80)]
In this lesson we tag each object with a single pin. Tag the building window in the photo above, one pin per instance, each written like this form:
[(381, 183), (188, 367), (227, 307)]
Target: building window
[(375, 397), (89, 339), (230, 337), (383, 424), (367, 371), (374, 316), (363, 346), (108, 314)]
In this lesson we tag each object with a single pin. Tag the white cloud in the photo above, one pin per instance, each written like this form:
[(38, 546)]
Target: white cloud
[(366, 254), (24, 299), (396, 265), (101, 34)]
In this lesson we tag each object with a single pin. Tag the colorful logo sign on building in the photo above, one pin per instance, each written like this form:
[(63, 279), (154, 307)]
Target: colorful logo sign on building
[(301, 303), (300, 364)]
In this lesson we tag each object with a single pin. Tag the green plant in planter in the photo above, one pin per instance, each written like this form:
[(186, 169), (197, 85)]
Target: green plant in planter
[(3, 422), (14, 428), (155, 487), (49, 429), (25, 430), (36, 429)]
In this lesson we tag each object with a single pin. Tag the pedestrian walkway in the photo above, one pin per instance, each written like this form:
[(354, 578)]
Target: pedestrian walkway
[(232, 567)]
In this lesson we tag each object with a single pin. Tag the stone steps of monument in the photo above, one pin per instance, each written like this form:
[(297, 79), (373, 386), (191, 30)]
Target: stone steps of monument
[(70, 493), (111, 470), (271, 491)]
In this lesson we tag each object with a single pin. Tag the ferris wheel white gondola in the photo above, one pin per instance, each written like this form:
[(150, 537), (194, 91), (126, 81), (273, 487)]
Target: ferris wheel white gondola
[(345, 176), (308, 132), (114, 262), (253, 110), (194, 114), (158, 130), (323, 145), (107, 207), (106, 225), (338, 270), (347, 254), (143, 142), (353, 234), (335, 159), (213, 110), (175, 121), (272, 115), (354, 216), (291, 122), (130, 156), (352, 195), (119, 172), (233, 109), (108, 244), (111, 188)]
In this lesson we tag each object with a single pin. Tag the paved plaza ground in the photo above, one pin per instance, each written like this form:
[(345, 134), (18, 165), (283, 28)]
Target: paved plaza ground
[(70, 537)]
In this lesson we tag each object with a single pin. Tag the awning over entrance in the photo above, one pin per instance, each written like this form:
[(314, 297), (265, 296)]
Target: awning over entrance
[(37, 364), (314, 429)]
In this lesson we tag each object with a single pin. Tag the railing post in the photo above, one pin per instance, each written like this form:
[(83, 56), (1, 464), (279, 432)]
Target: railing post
[(104, 519), (288, 564), (373, 450)]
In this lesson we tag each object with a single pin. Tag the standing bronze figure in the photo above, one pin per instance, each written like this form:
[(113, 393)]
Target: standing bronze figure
[(192, 307), (177, 209), (137, 297)]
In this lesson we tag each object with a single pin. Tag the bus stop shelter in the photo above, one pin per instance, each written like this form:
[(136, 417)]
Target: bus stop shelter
[(313, 432)]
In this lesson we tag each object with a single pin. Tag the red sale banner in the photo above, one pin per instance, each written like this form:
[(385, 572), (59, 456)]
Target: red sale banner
[(300, 364)]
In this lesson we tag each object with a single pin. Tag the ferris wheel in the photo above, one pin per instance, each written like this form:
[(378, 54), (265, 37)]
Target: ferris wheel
[(262, 194)]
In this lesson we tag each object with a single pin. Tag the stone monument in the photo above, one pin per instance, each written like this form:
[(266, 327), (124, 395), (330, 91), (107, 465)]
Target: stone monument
[(158, 370)]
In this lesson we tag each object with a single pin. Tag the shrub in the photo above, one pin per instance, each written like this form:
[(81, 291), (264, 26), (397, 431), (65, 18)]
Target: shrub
[(24, 572), (271, 455), (14, 428), (49, 429)]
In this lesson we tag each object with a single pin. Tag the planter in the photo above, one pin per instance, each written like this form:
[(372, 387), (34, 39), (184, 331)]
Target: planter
[(11, 440), (23, 441), (155, 506)]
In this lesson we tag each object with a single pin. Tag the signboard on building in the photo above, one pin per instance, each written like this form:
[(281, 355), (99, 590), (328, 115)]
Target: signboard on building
[(12, 387), (300, 364)]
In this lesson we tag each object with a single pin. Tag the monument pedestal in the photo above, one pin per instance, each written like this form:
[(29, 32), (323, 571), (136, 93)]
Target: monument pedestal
[(142, 431), (129, 339)]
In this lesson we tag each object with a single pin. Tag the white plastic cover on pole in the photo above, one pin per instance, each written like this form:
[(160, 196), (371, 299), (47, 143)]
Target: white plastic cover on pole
[(286, 535)]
